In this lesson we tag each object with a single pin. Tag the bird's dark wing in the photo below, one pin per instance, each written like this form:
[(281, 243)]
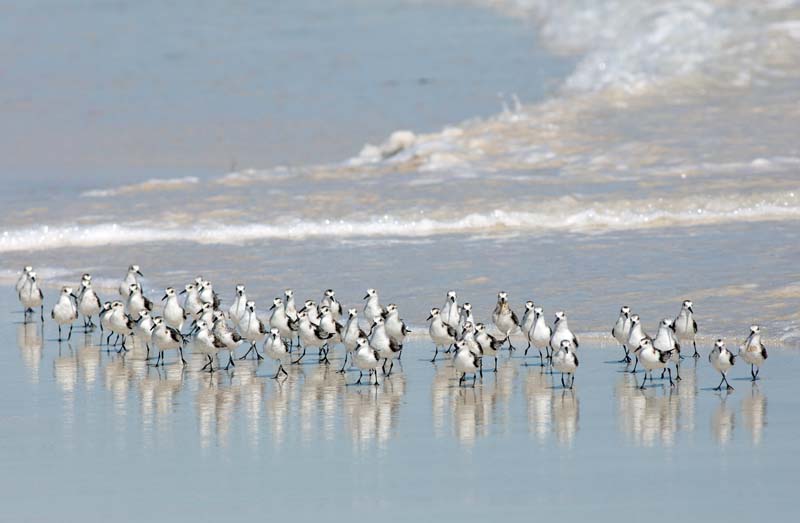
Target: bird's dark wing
[(763, 351), (394, 346), (218, 343), (148, 304), (514, 318), (694, 326), (97, 298), (451, 331), (215, 300), (576, 359), (575, 340), (236, 337), (175, 335), (405, 330)]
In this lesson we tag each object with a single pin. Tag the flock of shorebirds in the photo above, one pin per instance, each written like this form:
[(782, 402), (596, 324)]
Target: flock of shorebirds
[(376, 343)]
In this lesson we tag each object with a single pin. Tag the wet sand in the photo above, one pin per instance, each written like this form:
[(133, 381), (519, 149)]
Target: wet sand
[(90, 435)]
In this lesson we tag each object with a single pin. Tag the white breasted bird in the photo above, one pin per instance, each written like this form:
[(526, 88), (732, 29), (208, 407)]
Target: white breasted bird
[(666, 341), (23, 278), (227, 336), (173, 313), (252, 329), (442, 334), (540, 333), (352, 332), (504, 318), (130, 278), (635, 338), (565, 361), (65, 311), (275, 348), (450, 311), (527, 323), (753, 351), (396, 328), (651, 359), (204, 342), (88, 303), (489, 344), (165, 338), (466, 362), (372, 307), (621, 331), (192, 304), (380, 340), (329, 300), (31, 296), (236, 312), (137, 301), (686, 326), (722, 360), (366, 358)]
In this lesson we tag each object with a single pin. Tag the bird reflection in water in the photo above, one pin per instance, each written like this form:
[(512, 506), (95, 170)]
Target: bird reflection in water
[(754, 413), (30, 341)]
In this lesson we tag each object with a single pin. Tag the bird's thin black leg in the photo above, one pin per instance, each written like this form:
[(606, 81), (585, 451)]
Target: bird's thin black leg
[(696, 354)]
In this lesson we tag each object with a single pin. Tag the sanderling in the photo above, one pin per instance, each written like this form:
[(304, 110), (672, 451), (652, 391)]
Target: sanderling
[(753, 351), (311, 336), (275, 348), (450, 311), (252, 329), (165, 338), (372, 308), (204, 342), (351, 333), (722, 360), (366, 358), (289, 307), (651, 359), (207, 295), (143, 328), (206, 315), (65, 311), (504, 318), (621, 331), (329, 300), (192, 305), (137, 301), (226, 335), (561, 332), (396, 328), (279, 320), (665, 341), (31, 296), (466, 362), (239, 306), (540, 334), (635, 337), (329, 325), (84, 277), (686, 326), (565, 361), (119, 323), (311, 310), (464, 316), (527, 323), (23, 278), (104, 325), (384, 344), (130, 278), (489, 344), (442, 334), (174, 315), (88, 304)]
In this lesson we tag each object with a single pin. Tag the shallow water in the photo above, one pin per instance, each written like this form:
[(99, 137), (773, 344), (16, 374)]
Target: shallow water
[(108, 436)]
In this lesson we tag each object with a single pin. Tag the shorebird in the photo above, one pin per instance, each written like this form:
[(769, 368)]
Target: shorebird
[(366, 358), (165, 338), (204, 342), (275, 348), (120, 323), (311, 336), (621, 331), (442, 334), (23, 278), (466, 362), (504, 318), (279, 320), (651, 359), (464, 317), (31, 296), (396, 328), (130, 278), (137, 301), (329, 300), (753, 351), (192, 305), (488, 344), (540, 334), (174, 315), (329, 325), (311, 310), (65, 311), (350, 335), (237, 310), (665, 341), (635, 337), (207, 295), (226, 335), (450, 311), (372, 308), (686, 326), (565, 361), (561, 332), (387, 348), (88, 303), (252, 329), (143, 328), (104, 325), (722, 360), (527, 323)]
